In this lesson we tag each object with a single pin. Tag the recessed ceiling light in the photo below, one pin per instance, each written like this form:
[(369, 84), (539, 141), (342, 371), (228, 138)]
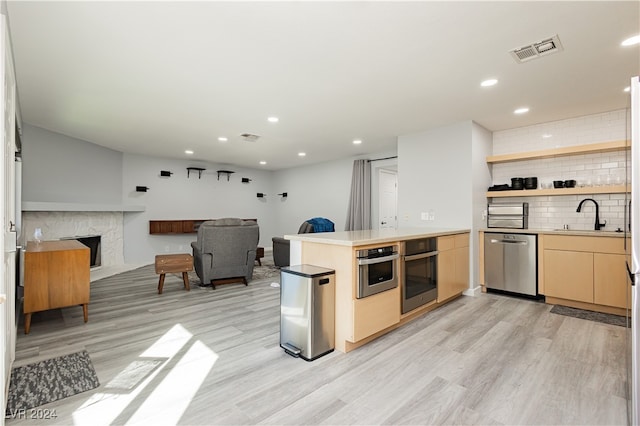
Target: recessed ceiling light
[(263, 162), (188, 151), (627, 89), (547, 136), (357, 142), (521, 110), (490, 82), (273, 119), (302, 154), (222, 139), (631, 41)]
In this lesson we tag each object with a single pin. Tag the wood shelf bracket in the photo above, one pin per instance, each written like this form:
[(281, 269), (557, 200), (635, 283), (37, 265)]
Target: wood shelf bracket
[(198, 169)]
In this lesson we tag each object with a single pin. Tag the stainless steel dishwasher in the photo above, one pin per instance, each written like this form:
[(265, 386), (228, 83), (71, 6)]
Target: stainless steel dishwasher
[(511, 262)]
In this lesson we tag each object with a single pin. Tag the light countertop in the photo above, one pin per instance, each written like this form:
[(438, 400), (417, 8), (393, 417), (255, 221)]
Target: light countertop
[(581, 232), (373, 236)]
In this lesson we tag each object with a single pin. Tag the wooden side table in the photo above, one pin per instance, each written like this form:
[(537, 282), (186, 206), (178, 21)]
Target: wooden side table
[(259, 255), (56, 275), (173, 263)]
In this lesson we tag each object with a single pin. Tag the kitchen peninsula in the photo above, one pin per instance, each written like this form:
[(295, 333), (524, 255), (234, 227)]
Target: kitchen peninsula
[(360, 320)]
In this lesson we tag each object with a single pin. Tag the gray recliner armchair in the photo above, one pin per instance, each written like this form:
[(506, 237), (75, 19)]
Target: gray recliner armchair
[(225, 248), (281, 246)]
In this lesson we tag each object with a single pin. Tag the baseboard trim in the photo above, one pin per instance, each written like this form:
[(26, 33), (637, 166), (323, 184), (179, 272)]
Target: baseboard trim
[(473, 291)]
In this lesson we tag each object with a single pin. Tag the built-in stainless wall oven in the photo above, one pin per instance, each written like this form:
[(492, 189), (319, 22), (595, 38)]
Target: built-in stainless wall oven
[(420, 284), (377, 270)]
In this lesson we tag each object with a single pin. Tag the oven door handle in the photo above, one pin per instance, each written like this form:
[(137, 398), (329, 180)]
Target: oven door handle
[(378, 259), (420, 256)]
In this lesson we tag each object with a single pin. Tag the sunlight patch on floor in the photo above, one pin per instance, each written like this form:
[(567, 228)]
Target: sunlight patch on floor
[(180, 383), (171, 398)]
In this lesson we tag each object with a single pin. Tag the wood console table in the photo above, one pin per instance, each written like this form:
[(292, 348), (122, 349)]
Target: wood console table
[(56, 275)]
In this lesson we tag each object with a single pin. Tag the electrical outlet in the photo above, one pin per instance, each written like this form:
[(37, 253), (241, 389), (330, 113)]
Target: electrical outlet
[(484, 214), (424, 216), (432, 215)]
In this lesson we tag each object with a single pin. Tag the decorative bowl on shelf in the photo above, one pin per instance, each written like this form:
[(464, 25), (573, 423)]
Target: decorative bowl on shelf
[(531, 183)]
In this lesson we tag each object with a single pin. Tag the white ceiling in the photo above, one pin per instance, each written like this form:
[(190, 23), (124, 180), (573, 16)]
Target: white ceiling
[(157, 78)]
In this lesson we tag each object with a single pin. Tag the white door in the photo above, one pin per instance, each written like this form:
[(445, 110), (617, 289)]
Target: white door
[(388, 208), (8, 207)]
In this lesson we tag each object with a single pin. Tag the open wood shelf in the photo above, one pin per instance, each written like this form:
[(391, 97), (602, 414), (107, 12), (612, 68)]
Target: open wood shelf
[(174, 226), (609, 189), (560, 152), (183, 226)]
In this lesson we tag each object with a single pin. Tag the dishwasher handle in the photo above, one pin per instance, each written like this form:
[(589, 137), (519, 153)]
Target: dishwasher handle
[(409, 258), (517, 242)]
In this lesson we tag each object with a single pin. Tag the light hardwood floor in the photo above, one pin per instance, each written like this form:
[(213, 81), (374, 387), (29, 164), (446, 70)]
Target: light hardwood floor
[(478, 360)]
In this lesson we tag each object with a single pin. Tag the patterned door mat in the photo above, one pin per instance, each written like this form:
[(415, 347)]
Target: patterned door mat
[(590, 315), (50, 380)]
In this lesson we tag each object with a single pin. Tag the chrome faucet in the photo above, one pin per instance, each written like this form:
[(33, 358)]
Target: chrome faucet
[(598, 225)]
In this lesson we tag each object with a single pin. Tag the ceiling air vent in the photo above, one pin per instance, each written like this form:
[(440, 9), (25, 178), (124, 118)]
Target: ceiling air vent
[(536, 50), (249, 137)]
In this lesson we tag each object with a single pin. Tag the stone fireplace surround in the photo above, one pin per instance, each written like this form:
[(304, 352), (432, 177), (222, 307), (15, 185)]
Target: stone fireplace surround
[(65, 224)]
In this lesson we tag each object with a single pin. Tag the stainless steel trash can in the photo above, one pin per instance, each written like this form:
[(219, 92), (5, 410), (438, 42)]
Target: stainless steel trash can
[(307, 311)]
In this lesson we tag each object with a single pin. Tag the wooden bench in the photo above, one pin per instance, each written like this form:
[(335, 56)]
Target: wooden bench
[(174, 263)]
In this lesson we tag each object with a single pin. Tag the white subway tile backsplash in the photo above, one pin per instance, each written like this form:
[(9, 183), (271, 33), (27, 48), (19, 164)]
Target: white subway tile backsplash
[(593, 169)]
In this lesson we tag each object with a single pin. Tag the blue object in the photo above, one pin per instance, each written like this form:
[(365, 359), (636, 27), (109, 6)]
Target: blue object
[(321, 224)]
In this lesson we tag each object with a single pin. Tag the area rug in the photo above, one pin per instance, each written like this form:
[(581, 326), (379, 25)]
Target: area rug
[(590, 315), (260, 273), (37, 384)]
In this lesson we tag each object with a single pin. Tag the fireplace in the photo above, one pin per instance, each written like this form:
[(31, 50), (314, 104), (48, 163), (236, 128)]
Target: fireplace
[(93, 242), (58, 225)]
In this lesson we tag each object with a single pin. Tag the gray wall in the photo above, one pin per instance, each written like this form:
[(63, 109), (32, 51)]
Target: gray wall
[(444, 170), (61, 169), (57, 168), (481, 147), (182, 197), (319, 190), (434, 174)]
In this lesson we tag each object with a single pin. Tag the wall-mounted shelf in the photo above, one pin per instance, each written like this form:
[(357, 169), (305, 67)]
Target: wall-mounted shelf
[(609, 189), (225, 172), (560, 152), (198, 169), (186, 226), (174, 226)]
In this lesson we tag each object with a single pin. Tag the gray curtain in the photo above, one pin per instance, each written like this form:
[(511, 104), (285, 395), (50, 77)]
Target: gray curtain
[(359, 213)]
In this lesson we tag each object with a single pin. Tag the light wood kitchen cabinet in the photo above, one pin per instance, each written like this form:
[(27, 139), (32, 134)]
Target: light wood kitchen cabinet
[(609, 280), (375, 313), (568, 275), (585, 272), (359, 321), (453, 265), (56, 275), (356, 319)]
